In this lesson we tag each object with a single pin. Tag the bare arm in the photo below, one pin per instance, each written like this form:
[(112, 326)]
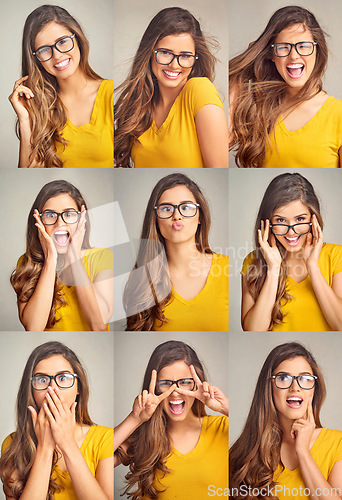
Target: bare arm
[(257, 315), (212, 133)]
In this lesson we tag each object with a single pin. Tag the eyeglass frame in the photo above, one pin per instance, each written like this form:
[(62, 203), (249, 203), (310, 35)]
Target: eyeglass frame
[(314, 44), (177, 381), (177, 206), (291, 227), (177, 56), (75, 376), (60, 214), (294, 377), (55, 46)]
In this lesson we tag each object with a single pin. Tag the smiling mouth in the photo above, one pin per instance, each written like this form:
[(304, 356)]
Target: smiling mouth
[(61, 238), (173, 75), (62, 65), (292, 242), (294, 402), (295, 70), (177, 407)]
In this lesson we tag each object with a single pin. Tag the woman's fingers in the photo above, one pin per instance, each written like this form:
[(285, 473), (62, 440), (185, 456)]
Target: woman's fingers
[(153, 382), (33, 415), (52, 407), (195, 376), (55, 395), (310, 414), (48, 413), (18, 82), (167, 393), (144, 398)]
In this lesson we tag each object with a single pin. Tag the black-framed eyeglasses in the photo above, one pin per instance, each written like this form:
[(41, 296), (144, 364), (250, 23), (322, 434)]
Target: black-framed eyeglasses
[(68, 216), (183, 383), (285, 380), (45, 53), (165, 57), (166, 210), (299, 229), (302, 48), (64, 380)]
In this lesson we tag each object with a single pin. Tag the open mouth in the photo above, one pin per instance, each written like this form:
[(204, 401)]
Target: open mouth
[(177, 226), (172, 75), (292, 242), (294, 402), (295, 70), (61, 238), (62, 65), (177, 406)]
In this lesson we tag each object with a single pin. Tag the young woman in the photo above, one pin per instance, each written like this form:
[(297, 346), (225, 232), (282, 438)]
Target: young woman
[(293, 280), (64, 109), (61, 282), (283, 451), (56, 451), (168, 441), (168, 113), (280, 115), (177, 283)]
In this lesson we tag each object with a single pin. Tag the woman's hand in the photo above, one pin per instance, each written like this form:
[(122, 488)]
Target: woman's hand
[(61, 418), (19, 101), (313, 245), (270, 252), (210, 395), (46, 241), (42, 429), (146, 403), (75, 246), (302, 430)]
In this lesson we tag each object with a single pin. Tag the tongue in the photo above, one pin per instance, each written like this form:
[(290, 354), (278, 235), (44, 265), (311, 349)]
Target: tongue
[(176, 409), (61, 239), (294, 403), (295, 71)]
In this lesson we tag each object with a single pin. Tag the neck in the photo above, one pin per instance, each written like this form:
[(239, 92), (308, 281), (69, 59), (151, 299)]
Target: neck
[(182, 255), (74, 84), (167, 96), (294, 258), (286, 427), (183, 426)]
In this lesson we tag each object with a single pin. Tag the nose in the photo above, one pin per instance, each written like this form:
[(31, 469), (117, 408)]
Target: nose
[(174, 64), (295, 386), (293, 53), (176, 214)]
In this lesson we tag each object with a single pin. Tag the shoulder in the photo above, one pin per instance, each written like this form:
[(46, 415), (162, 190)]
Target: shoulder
[(248, 261), (20, 260), (101, 441), (94, 255), (198, 92), (220, 259), (217, 424), (101, 433), (7, 442), (334, 103), (199, 83), (332, 440), (107, 86), (333, 253)]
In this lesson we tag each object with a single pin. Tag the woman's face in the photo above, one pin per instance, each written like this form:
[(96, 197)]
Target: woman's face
[(60, 232), (293, 213), (177, 406), (173, 76), (61, 65), (178, 228), (52, 366), (292, 403), (294, 68)]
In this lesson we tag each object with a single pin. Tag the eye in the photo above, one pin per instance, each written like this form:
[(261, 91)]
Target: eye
[(284, 377), (164, 383), (280, 220), (187, 56), (165, 208), (63, 41), (185, 383), (49, 215), (166, 52), (188, 207), (42, 379), (43, 50)]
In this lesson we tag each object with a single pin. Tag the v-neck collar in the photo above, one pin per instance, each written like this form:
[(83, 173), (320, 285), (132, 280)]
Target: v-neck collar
[(199, 445), (307, 125), (166, 122), (94, 113), (204, 289), (83, 445), (292, 471)]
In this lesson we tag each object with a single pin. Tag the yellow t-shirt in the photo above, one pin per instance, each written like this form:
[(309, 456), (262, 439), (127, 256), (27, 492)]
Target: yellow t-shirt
[(175, 143), (315, 145), (303, 312), (70, 317), (92, 145), (97, 445), (208, 311), (202, 470), (326, 451)]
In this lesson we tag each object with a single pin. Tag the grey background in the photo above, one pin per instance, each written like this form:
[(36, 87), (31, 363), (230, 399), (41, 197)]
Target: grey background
[(96, 19), (247, 353), (18, 190), (132, 191), (131, 354), (133, 16), (248, 19), (95, 353), (246, 190)]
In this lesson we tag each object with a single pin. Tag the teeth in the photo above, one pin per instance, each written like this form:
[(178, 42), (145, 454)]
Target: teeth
[(295, 66), (171, 73), (292, 239), (61, 232), (294, 399), (176, 402), (62, 64)]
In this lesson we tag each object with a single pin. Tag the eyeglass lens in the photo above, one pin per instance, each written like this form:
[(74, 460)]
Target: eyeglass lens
[(69, 217), (185, 209), (63, 380), (183, 383), (282, 229), (284, 381), (64, 45), (302, 48), (184, 60)]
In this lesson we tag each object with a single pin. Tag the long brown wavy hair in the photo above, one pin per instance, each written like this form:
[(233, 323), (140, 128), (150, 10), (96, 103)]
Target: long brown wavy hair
[(25, 277), (148, 289), (133, 110), (149, 445), (17, 460), (255, 455), (258, 90), (282, 190), (46, 110)]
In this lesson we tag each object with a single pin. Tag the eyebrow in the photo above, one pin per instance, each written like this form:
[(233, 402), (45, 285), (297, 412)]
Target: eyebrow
[(57, 40), (181, 52), (287, 373), (283, 217), (61, 371), (180, 203), (65, 209)]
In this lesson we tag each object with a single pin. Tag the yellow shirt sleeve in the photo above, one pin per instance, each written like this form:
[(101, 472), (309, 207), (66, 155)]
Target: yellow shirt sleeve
[(97, 260), (7, 443)]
